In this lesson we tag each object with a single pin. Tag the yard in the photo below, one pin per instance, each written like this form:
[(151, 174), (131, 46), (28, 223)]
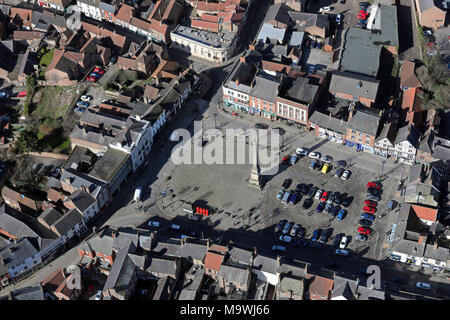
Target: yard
[(45, 57)]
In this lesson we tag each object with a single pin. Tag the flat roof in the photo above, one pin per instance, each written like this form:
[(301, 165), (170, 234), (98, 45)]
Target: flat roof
[(105, 168), (221, 40)]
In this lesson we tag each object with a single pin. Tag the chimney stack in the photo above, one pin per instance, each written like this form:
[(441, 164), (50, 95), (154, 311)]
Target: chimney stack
[(237, 81), (251, 47), (242, 59), (114, 234)]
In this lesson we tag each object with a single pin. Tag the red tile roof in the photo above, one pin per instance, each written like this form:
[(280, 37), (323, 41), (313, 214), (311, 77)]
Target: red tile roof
[(410, 100), (202, 24), (151, 92), (424, 213), (210, 17), (91, 28), (125, 13), (319, 287), (28, 35), (408, 77), (24, 14), (213, 260)]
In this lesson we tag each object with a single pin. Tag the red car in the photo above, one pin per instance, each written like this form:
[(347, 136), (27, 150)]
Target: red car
[(373, 184), (364, 230), (369, 209), (370, 203), (234, 114), (99, 71), (91, 79), (285, 160), (324, 196)]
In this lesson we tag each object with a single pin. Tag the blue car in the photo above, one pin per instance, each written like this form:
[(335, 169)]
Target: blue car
[(82, 104), (95, 74), (320, 207), (367, 216), (342, 214), (293, 198), (315, 235)]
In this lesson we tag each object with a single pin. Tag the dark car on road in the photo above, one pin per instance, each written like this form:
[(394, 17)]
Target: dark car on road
[(261, 126), (286, 183), (280, 225), (307, 203)]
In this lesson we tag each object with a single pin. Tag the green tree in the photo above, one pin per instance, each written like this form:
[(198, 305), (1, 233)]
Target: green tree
[(27, 141)]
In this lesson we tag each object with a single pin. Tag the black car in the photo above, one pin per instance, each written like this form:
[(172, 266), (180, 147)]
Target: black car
[(286, 183), (343, 1), (261, 126), (373, 198), (312, 191), (335, 210), (324, 237), (337, 198), (319, 166), (304, 189), (337, 239), (365, 223), (347, 201), (307, 203), (298, 187), (301, 232), (374, 192), (280, 225), (328, 208), (330, 199)]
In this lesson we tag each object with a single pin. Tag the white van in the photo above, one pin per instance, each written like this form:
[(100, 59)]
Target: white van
[(137, 194)]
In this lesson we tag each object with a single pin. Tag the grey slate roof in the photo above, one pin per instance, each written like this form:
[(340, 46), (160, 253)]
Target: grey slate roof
[(14, 225), (82, 200), (389, 131), (163, 291), (50, 215), (121, 272), (296, 38), (169, 247), (194, 248), (69, 220), (365, 293), (265, 87), (327, 122), (310, 19), (240, 255), (344, 287), (35, 292), (440, 253), (79, 179), (162, 264), (365, 121), (22, 249), (267, 264), (348, 83), (291, 268), (270, 32), (278, 12), (409, 133), (234, 273), (291, 284), (300, 90), (111, 161)]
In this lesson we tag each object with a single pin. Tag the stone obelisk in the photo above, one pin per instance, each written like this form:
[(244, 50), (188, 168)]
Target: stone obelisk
[(255, 178)]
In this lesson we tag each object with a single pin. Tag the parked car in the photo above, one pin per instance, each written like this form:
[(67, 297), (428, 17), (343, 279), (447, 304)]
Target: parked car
[(280, 225), (373, 198), (298, 187), (341, 163), (325, 9), (307, 203), (313, 164), (301, 151), (324, 236), (304, 189), (328, 208), (367, 216), (345, 175), (327, 159), (95, 74), (343, 242), (286, 183), (287, 228), (319, 166), (374, 184), (293, 159), (368, 209), (343, 1), (331, 198), (300, 232), (341, 215), (279, 249), (314, 155), (312, 192), (347, 201), (261, 126), (339, 172), (423, 285), (318, 194), (325, 168), (175, 227), (363, 230), (294, 230), (99, 295), (311, 69), (315, 235), (287, 239), (99, 70), (91, 79), (365, 223), (341, 252), (374, 191), (338, 18), (83, 104), (370, 203), (337, 198), (285, 160), (280, 194), (286, 197), (293, 198), (154, 224), (335, 210), (324, 196), (86, 98), (361, 237), (337, 239), (320, 207)]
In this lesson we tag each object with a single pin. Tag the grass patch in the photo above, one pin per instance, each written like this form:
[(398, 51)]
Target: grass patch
[(40, 135), (45, 57), (47, 100)]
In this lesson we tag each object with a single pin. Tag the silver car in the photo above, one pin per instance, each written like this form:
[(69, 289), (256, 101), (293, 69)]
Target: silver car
[(327, 159), (345, 175), (294, 230), (318, 194)]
